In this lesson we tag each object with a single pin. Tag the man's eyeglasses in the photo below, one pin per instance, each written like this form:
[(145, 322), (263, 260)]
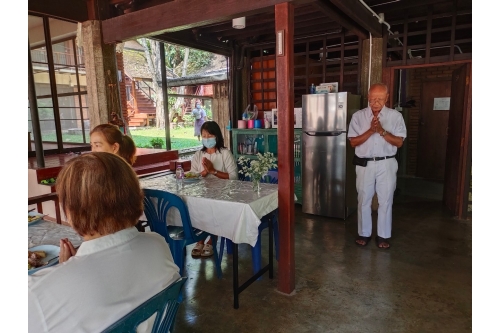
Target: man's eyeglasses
[(378, 100)]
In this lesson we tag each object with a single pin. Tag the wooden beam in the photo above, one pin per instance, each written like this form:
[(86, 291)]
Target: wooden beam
[(403, 5), (428, 36), (98, 10), (178, 15), (76, 12), (333, 13), (285, 93), (359, 14), (186, 38)]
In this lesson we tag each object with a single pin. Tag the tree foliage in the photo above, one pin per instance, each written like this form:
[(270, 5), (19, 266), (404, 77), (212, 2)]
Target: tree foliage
[(174, 58)]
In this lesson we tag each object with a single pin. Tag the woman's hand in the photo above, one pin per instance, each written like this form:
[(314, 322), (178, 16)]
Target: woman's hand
[(207, 165), (66, 251)]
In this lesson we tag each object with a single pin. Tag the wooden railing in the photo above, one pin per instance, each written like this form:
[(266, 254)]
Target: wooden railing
[(60, 58), (147, 90)]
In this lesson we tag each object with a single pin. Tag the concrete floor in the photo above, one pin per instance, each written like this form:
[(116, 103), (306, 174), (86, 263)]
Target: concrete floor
[(422, 284)]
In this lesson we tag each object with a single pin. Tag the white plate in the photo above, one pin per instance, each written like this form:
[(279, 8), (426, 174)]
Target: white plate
[(190, 180), (51, 251), (38, 217)]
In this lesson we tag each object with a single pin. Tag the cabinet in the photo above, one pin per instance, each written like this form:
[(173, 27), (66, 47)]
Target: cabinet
[(250, 142)]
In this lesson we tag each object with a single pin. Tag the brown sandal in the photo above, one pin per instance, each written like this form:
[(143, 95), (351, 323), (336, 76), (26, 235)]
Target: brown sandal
[(196, 251), (364, 239), (207, 251), (380, 241)]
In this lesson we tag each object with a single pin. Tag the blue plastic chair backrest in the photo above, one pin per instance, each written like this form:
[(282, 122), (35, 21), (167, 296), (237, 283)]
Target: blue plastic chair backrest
[(165, 304), (156, 206)]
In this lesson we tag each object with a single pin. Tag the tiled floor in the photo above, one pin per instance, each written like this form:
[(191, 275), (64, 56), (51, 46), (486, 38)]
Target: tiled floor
[(422, 284)]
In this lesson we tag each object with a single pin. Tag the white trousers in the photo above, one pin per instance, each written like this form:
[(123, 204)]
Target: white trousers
[(377, 177)]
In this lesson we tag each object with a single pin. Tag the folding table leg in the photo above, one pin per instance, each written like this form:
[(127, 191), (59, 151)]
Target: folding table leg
[(271, 259), (235, 275)]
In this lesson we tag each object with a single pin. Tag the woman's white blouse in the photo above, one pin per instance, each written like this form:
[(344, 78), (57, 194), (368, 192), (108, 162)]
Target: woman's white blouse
[(106, 279), (222, 161)]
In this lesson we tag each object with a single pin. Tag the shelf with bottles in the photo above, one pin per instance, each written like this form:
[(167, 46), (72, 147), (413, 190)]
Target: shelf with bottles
[(250, 142)]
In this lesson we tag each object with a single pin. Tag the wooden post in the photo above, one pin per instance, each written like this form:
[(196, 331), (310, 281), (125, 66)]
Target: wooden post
[(284, 84), (376, 66), (133, 91), (103, 94), (164, 88)]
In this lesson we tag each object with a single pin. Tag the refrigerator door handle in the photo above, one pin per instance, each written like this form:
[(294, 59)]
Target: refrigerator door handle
[(330, 133)]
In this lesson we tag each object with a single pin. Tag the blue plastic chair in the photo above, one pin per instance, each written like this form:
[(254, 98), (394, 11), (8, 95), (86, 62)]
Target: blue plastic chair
[(165, 302), (264, 223), (156, 206)]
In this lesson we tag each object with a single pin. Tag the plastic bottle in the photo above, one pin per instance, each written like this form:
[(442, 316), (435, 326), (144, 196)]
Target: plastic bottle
[(312, 90), (179, 175)]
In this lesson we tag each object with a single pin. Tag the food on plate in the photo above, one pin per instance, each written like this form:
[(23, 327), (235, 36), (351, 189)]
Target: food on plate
[(35, 259), (33, 218), (191, 175)]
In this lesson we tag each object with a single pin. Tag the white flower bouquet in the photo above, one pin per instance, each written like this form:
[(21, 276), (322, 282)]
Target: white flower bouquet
[(256, 169)]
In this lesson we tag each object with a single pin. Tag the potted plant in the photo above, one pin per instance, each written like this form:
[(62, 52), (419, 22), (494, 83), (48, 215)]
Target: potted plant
[(157, 143), (256, 169)]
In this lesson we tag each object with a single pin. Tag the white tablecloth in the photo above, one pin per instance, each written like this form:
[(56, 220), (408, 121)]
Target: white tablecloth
[(49, 233), (228, 208)]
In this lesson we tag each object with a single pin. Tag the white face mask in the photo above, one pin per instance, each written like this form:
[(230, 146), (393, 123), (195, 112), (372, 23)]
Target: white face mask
[(208, 143)]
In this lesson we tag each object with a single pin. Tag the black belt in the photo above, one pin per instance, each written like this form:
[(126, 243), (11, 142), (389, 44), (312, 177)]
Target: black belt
[(377, 158)]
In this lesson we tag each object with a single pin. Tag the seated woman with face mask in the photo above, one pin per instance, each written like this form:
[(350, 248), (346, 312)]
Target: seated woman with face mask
[(213, 160)]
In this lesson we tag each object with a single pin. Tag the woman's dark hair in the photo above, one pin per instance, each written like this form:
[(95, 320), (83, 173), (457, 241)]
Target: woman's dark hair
[(213, 128)]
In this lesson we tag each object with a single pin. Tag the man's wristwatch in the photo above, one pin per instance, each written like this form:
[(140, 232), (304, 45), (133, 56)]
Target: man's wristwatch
[(384, 133), (215, 172)]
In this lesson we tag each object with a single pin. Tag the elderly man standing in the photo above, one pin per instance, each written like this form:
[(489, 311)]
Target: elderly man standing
[(376, 133)]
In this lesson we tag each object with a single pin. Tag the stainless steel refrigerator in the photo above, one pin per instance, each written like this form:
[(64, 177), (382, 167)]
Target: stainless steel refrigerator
[(328, 176)]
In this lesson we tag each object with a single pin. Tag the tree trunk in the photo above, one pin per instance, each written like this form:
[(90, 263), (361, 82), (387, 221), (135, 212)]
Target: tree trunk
[(180, 100), (152, 53)]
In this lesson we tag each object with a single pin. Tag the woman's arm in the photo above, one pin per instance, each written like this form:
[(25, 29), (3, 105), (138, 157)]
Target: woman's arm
[(196, 165), (230, 164)]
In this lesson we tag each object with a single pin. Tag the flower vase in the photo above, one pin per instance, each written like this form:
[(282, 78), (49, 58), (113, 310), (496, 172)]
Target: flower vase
[(256, 184)]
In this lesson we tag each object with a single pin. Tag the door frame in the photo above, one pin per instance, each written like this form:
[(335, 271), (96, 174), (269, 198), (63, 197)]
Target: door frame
[(389, 78)]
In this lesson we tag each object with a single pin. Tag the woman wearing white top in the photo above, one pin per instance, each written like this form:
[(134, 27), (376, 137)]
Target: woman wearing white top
[(116, 268), (213, 160)]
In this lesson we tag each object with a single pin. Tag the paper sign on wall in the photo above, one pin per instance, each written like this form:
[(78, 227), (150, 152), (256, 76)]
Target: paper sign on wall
[(442, 103)]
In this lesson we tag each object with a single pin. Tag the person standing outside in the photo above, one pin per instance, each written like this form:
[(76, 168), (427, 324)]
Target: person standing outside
[(376, 133), (200, 116)]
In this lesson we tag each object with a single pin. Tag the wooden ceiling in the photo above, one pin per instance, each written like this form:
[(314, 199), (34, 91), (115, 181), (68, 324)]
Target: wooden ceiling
[(207, 24)]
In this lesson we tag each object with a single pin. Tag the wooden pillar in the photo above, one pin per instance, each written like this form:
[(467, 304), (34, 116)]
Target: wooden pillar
[(123, 83), (103, 95), (284, 91), (220, 109), (376, 66)]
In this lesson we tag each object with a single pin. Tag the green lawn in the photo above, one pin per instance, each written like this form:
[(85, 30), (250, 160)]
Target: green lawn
[(181, 138)]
